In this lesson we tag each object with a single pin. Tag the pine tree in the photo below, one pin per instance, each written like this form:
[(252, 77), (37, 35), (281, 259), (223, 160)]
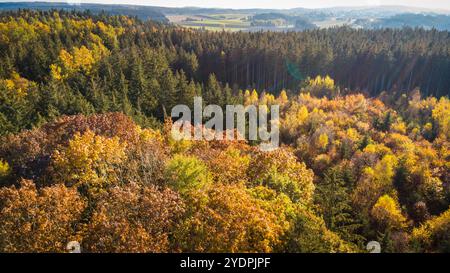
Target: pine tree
[(138, 84), (213, 91), (334, 203), (167, 97)]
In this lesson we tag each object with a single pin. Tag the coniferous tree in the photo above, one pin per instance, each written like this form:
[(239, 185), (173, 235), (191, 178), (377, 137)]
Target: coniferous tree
[(334, 202)]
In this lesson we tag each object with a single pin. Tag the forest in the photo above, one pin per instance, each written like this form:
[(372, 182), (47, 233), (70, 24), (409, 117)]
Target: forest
[(86, 152)]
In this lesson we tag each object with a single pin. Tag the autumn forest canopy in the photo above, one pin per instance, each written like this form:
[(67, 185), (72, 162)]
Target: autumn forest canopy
[(86, 152)]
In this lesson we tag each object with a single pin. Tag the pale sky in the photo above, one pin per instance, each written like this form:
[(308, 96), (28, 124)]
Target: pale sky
[(279, 4)]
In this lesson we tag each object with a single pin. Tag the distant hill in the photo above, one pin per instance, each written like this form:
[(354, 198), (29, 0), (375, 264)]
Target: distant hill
[(440, 22), (277, 19), (142, 12), (380, 11)]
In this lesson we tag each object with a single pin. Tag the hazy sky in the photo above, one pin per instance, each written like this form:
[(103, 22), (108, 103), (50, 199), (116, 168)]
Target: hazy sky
[(443, 4)]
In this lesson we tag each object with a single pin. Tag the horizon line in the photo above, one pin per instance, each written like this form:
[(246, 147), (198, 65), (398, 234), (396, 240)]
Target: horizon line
[(224, 8)]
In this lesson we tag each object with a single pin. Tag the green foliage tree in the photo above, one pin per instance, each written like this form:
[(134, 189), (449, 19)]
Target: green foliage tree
[(333, 199)]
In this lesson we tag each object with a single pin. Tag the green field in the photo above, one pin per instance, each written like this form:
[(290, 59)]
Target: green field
[(215, 22)]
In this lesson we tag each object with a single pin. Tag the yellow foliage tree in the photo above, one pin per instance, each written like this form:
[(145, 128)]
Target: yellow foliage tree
[(4, 169), (280, 170), (90, 160), (321, 86), (17, 84), (441, 114), (385, 169), (251, 98), (282, 98), (34, 220), (266, 99), (375, 182), (81, 59), (433, 234), (353, 135), (226, 218), (322, 141), (319, 81), (133, 219), (387, 213), (296, 116), (230, 166)]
